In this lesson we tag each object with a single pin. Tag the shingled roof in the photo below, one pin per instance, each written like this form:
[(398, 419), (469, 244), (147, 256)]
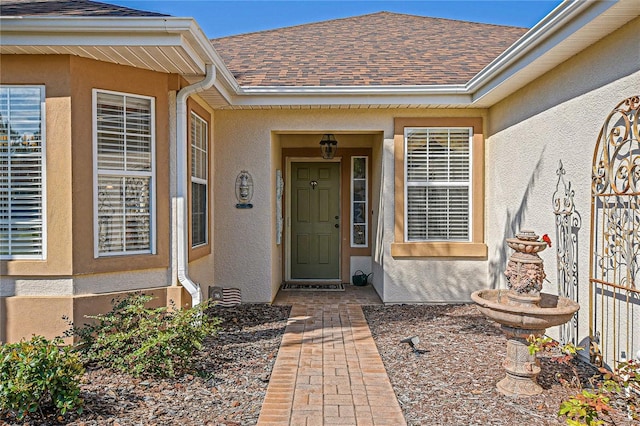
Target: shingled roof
[(67, 8), (382, 48)]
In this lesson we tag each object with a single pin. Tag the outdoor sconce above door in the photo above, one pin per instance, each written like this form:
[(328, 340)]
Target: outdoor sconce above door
[(328, 146), (244, 190)]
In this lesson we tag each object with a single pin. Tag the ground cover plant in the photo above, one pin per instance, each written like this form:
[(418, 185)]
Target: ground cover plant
[(142, 341), (609, 394), (39, 377)]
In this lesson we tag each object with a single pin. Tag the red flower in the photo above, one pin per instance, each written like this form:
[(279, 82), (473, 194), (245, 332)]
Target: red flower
[(546, 239)]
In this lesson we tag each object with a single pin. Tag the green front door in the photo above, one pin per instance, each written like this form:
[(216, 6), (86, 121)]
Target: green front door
[(315, 221)]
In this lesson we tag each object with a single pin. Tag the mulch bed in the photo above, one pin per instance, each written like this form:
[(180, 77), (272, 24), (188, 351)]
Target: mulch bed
[(451, 379), (234, 369)]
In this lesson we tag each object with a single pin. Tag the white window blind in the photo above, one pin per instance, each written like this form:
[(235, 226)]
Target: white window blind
[(22, 173), (124, 140), (199, 180), (438, 184)]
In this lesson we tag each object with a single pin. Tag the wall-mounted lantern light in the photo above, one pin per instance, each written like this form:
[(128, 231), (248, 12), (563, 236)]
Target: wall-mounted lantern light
[(244, 190), (328, 146)]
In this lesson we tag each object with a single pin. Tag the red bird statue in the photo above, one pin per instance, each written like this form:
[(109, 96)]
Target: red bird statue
[(546, 239)]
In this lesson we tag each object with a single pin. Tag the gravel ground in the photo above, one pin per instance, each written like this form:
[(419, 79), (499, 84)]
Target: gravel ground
[(450, 380)]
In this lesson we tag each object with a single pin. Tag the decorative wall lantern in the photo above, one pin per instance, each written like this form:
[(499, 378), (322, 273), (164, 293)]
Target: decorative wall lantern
[(244, 190), (328, 146)]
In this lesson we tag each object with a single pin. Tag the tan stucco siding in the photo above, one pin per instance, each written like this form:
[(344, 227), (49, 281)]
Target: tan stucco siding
[(201, 262), (70, 266), (277, 260), (249, 140), (88, 75), (54, 73), (68, 89), (555, 118), (23, 316)]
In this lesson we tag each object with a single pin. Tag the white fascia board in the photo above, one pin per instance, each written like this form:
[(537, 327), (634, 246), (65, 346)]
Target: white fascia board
[(353, 90), (360, 98), (45, 38), (224, 91), (355, 95), (81, 25), (563, 22), (199, 38)]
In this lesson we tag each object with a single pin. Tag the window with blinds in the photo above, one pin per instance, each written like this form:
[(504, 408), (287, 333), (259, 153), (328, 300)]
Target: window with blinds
[(438, 184), (22, 174), (199, 180), (124, 140)]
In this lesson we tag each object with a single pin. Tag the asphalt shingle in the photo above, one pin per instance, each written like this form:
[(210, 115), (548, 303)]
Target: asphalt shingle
[(67, 8), (382, 48)]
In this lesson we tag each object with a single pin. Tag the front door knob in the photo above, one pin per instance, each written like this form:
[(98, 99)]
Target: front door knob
[(337, 225)]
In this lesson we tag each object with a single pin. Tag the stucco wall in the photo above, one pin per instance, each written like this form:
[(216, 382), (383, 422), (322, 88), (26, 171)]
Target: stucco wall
[(88, 75), (276, 249), (556, 118), (201, 258), (54, 73), (19, 321), (70, 267), (244, 245)]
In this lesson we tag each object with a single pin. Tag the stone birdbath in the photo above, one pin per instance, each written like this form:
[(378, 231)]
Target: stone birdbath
[(522, 310)]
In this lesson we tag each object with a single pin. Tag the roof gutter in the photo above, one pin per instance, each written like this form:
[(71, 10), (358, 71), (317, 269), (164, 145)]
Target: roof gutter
[(453, 89), (183, 182)]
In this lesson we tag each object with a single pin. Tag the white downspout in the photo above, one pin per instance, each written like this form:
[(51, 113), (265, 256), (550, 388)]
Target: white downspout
[(182, 178)]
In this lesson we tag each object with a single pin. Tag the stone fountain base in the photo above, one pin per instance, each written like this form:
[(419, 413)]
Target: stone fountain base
[(519, 317), (522, 368)]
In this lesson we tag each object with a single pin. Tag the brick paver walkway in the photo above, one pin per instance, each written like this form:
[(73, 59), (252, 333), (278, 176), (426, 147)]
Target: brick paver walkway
[(328, 369)]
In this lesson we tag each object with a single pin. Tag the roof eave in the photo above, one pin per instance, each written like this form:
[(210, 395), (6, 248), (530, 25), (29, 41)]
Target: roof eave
[(60, 33), (257, 96), (561, 34), (377, 90)]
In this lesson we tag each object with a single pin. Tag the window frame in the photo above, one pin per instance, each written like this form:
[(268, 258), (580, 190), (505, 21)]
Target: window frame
[(475, 247), (194, 179), (124, 173), (438, 183), (365, 202), (43, 176)]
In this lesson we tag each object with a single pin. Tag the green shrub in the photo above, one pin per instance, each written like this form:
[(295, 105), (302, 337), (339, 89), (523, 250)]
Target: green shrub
[(37, 376), (145, 341)]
